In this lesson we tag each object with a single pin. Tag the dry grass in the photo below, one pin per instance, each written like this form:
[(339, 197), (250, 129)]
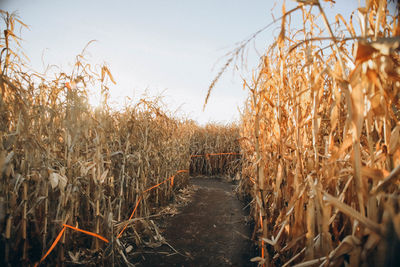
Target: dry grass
[(321, 141)]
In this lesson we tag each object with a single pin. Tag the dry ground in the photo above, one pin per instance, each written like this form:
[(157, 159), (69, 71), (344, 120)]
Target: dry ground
[(211, 230)]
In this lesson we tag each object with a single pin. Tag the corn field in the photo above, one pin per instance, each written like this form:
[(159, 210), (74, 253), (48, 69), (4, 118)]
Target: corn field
[(64, 162), (66, 165), (320, 140), (317, 150), (212, 138)]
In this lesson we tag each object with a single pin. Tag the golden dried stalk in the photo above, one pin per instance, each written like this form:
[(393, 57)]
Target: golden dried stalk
[(325, 122)]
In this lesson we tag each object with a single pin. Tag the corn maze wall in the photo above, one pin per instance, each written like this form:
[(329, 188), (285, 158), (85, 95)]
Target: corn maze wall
[(317, 148), (64, 162), (74, 178), (215, 150), (321, 140)]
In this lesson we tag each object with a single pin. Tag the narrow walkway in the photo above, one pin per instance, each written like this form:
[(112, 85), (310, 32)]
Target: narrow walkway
[(209, 231)]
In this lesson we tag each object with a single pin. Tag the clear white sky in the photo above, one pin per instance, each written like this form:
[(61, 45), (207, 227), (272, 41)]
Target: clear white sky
[(168, 46)]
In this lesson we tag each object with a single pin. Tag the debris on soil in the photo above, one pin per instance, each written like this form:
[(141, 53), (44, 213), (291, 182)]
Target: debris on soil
[(207, 226)]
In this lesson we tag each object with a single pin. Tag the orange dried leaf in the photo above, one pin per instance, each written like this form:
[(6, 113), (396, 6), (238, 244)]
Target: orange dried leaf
[(394, 140), (373, 77), (364, 52), (376, 174)]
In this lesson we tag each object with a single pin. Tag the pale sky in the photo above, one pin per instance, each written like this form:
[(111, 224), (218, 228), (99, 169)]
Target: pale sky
[(165, 46)]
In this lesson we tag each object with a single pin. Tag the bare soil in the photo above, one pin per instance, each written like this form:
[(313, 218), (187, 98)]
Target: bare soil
[(211, 230)]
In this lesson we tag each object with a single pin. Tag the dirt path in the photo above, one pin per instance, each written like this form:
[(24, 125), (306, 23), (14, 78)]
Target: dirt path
[(210, 231)]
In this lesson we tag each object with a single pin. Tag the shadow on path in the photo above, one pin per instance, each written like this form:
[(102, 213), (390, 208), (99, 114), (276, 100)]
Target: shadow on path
[(210, 231)]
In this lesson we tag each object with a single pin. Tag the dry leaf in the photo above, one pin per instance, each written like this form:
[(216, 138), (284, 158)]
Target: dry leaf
[(364, 52), (58, 180), (376, 174), (394, 140), (54, 178)]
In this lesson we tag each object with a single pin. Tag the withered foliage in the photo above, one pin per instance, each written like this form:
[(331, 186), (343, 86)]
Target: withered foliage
[(215, 150), (63, 161), (320, 140)]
